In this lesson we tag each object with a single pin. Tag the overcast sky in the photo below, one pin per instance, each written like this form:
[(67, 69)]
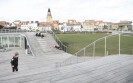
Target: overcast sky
[(107, 10)]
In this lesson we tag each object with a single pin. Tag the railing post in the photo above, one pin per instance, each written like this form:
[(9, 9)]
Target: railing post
[(61, 45), (105, 46), (107, 53), (14, 41), (93, 49), (56, 40), (119, 44), (77, 57), (20, 41), (1, 40), (8, 41), (84, 54), (66, 48), (53, 33)]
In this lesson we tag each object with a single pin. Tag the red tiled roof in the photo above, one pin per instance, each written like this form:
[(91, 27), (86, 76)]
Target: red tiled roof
[(24, 22), (3, 23), (93, 22), (55, 21), (44, 24)]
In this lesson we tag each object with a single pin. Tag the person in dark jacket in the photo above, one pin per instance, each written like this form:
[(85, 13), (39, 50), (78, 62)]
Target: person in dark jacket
[(42, 36), (39, 34), (14, 62)]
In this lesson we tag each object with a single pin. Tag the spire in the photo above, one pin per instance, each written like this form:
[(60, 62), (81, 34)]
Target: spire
[(49, 10)]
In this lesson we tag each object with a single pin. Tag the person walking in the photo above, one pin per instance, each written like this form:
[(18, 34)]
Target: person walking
[(14, 62)]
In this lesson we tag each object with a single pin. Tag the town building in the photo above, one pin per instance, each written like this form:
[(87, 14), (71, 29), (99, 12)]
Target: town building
[(16, 24), (109, 25), (24, 25), (88, 25), (114, 26), (100, 25), (29, 25), (92, 25), (70, 27), (44, 26), (125, 25), (122, 26), (55, 24), (72, 21), (4, 24)]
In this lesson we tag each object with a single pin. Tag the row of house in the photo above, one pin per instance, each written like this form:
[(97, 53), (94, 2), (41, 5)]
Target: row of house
[(122, 26), (4, 24), (70, 25)]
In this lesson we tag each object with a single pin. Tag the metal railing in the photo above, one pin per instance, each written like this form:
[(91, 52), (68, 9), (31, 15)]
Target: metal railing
[(30, 48), (12, 31), (18, 31), (61, 45), (105, 46), (2, 48)]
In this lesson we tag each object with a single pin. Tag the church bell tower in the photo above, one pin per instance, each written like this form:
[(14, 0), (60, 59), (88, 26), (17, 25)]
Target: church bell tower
[(49, 16)]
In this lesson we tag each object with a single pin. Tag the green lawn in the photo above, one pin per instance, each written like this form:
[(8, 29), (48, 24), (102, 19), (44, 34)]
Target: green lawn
[(75, 42)]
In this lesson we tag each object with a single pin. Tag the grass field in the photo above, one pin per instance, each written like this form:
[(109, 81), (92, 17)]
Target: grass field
[(75, 42)]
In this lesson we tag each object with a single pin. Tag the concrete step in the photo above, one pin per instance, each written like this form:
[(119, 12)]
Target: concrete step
[(95, 69)]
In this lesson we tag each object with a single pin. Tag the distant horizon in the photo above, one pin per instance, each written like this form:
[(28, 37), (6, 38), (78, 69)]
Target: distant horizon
[(62, 10)]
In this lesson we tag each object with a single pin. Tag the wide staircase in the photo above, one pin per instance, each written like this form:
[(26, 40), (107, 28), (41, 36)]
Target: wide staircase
[(45, 47), (41, 68), (111, 69)]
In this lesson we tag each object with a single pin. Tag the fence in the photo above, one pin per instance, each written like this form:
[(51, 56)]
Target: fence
[(12, 31), (115, 44), (61, 45)]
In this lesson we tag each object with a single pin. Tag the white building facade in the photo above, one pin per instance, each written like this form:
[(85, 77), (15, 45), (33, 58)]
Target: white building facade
[(30, 26)]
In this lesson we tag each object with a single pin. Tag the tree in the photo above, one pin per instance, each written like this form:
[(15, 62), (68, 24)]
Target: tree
[(105, 27)]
